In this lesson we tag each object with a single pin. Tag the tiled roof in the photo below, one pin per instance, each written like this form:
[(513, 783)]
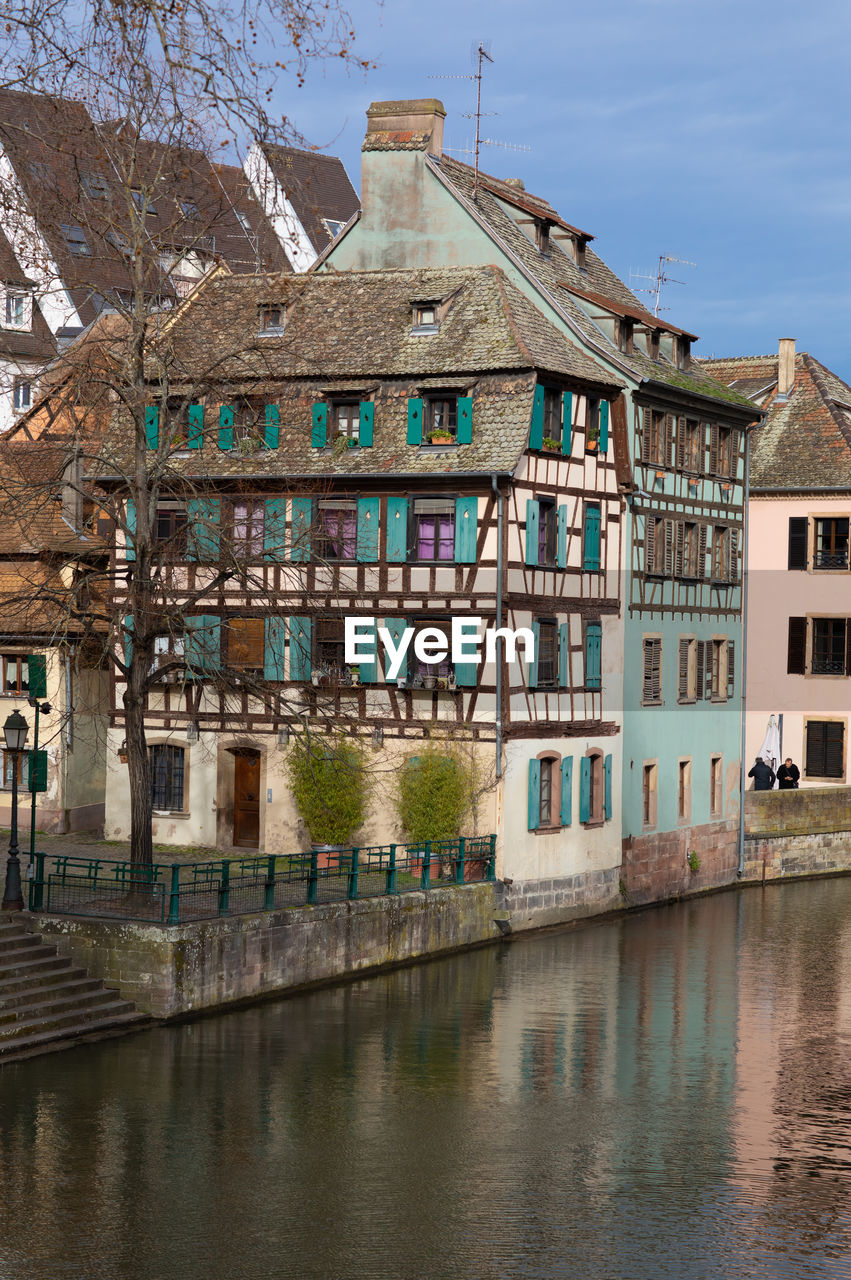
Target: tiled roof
[(566, 282), (317, 187), (805, 441)]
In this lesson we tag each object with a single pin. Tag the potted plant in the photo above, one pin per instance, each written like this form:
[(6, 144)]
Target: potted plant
[(351, 442), (550, 445), (354, 675), (441, 436), (436, 789), (429, 682), (329, 786)]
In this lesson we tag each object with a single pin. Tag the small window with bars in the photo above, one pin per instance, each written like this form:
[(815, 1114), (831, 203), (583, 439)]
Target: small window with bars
[(167, 777), (830, 647), (831, 542)]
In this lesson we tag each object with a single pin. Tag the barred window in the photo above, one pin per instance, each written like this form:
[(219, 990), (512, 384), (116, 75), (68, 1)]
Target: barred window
[(167, 771)]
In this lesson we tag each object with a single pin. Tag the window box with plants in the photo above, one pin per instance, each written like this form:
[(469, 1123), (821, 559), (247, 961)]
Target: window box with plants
[(441, 437), (549, 445)]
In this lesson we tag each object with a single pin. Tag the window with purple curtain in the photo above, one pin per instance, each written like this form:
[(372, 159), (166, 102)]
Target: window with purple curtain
[(248, 528), (338, 530), (435, 529)]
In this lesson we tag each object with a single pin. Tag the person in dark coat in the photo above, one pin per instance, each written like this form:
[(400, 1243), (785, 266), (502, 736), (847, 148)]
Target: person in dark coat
[(788, 775), (762, 774)]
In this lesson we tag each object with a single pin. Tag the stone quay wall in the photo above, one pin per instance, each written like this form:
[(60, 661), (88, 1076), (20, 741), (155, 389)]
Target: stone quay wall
[(656, 867), (797, 833)]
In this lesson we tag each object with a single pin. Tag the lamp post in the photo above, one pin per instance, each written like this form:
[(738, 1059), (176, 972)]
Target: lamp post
[(15, 731), (44, 708)]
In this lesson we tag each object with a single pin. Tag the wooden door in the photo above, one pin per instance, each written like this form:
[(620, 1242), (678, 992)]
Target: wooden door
[(246, 800)]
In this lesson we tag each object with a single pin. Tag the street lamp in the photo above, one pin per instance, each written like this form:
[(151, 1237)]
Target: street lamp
[(15, 731)]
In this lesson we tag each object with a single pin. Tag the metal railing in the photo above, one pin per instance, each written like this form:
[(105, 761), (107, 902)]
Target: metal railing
[(172, 893)]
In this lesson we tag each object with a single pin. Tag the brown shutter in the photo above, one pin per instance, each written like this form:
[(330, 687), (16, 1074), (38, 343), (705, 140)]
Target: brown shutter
[(680, 546), (669, 548), (733, 564), (798, 542), (731, 668), (683, 670), (668, 439), (701, 552), (681, 443), (713, 448), (833, 753), (796, 653), (848, 646), (649, 544), (701, 660), (645, 435), (652, 674)]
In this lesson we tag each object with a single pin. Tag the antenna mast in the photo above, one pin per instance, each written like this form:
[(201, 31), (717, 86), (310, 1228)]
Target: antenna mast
[(659, 279), (482, 54)]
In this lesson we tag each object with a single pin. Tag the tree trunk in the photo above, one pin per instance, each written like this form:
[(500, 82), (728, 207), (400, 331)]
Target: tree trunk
[(141, 840)]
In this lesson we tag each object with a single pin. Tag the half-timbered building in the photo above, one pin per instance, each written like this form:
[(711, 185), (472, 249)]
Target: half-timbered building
[(679, 446)]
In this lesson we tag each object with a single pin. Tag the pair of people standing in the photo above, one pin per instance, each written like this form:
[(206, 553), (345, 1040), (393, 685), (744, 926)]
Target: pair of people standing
[(763, 775)]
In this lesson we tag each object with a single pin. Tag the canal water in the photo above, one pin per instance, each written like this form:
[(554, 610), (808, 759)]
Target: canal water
[(666, 1095)]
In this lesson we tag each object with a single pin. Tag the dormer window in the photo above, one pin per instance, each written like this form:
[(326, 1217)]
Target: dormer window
[(653, 344), (271, 321), (542, 235), (426, 318), (682, 351), (75, 240), (189, 209), (95, 186), (626, 332), (17, 309), (143, 204)]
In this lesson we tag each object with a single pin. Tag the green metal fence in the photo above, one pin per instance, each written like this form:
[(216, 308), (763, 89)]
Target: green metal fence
[(171, 893)]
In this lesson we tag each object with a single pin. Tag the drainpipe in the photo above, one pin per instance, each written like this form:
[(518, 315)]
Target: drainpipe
[(499, 501), (741, 867)]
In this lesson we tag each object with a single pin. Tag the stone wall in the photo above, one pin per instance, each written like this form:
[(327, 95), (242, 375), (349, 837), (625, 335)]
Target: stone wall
[(656, 867), (804, 812), (173, 971), (533, 904)]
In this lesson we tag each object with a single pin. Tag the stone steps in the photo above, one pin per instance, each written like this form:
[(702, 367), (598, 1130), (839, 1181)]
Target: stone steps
[(46, 1003)]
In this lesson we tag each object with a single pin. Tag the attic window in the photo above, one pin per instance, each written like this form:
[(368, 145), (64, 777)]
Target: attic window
[(333, 226), (578, 246), (188, 208), (75, 240), (95, 186), (626, 332), (682, 351), (242, 219), (142, 203), (425, 317), (119, 242), (542, 235), (271, 321), (17, 309)]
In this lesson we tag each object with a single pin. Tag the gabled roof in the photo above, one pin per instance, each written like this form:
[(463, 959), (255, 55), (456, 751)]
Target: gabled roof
[(318, 188), (36, 343), (805, 441)]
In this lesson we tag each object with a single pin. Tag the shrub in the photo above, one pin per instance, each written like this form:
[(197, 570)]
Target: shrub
[(329, 785), (435, 794)]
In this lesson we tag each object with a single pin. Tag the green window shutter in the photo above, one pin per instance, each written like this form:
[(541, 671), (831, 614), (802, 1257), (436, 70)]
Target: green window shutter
[(466, 673), (367, 539), (130, 520), (128, 639), (532, 524), (195, 435), (561, 544), (301, 520), (585, 789), (536, 431), (367, 417), (396, 626), (274, 529), (37, 761), (274, 648), (464, 434), (567, 423), (272, 432), (368, 667), (301, 631), (152, 426), (591, 540), (607, 787), (533, 665), (466, 528), (397, 530), (593, 642), (415, 420), (203, 517), (566, 791), (37, 675), (319, 434), (604, 426), (226, 426), (564, 655), (203, 640), (534, 794)]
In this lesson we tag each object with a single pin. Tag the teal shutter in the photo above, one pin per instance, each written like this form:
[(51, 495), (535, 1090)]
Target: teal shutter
[(203, 644), (466, 673), (37, 770), (300, 648), (319, 434), (561, 545), (128, 639), (607, 787), (534, 794), (195, 435), (564, 655), (532, 525), (301, 520), (566, 791), (567, 423), (396, 626), (367, 541), (273, 420), (464, 434), (130, 518), (152, 426), (368, 667), (593, 642), (533, 665), (585, 789), (274, 528), (397, 530), (367, 413), (203, 516), (226, 426), (536, 431), (466, 527), (37, 674), (604, 425), (274, 648), (415, 420), (591, 540)]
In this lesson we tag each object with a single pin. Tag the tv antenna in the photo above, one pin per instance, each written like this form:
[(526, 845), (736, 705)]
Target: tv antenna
[(481, 54), (659, 279)]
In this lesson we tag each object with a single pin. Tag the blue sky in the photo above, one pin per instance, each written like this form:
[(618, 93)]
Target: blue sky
[(715, 132)]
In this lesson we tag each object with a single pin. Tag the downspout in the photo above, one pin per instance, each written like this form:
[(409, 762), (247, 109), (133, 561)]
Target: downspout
[(740, 870), (499, 501)]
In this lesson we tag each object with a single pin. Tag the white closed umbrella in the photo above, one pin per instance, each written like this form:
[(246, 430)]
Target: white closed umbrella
[(770, 749)]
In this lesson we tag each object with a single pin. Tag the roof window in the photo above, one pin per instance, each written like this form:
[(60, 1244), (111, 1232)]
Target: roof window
[(426, 317), (95, 186), (75, 240), (142, 202), (271, 320), (242, 219), (188, 208), (333, 226)]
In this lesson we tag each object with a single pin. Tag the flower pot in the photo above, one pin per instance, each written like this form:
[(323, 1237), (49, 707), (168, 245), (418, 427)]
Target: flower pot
[(429, 682)]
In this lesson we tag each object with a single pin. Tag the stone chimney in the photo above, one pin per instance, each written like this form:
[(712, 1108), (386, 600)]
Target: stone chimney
[(786, 367), (415, 124)]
